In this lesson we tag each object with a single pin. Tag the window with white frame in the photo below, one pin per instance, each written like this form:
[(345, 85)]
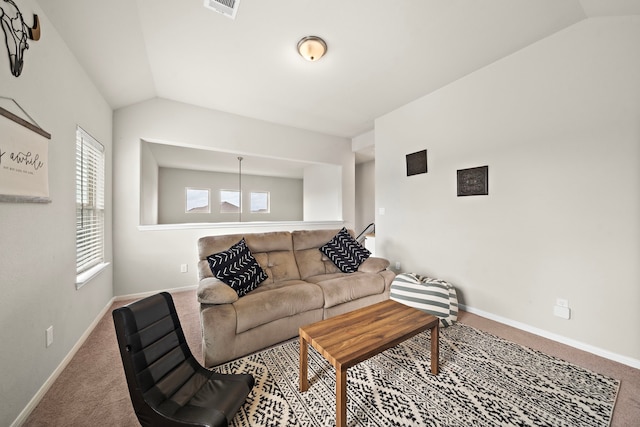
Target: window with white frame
[(260, 202), (197, 200), (89, 203), (229, 201)]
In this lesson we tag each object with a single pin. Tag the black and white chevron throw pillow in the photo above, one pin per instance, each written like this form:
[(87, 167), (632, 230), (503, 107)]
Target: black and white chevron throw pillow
[(237, 268), (345, 251)]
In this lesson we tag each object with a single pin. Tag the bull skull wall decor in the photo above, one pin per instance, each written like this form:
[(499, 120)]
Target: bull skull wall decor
[(16, 33)]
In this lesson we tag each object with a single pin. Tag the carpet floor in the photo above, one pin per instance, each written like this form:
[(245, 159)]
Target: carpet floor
[(483, 381), (92, 391)]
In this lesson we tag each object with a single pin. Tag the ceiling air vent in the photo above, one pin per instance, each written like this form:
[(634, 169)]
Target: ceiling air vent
[(226, 7)]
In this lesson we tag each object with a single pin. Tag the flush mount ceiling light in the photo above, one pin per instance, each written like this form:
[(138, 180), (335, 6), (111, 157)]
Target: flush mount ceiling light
[(312, 48)]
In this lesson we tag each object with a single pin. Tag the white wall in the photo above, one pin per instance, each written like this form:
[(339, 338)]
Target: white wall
[(149, 259), (365, 195), (37, 241), (149, 176), (364, 141), (558, 124), (365, 180), (320, 204)]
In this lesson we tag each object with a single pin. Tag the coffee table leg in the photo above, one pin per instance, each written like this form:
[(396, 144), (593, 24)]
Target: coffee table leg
[(341, 397), (304, 381), (435, 348)]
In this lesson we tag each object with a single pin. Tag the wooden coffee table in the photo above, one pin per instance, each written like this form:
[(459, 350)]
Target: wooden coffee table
[(350, 338)]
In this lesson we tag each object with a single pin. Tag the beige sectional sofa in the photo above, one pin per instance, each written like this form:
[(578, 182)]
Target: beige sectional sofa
[(303, 287)]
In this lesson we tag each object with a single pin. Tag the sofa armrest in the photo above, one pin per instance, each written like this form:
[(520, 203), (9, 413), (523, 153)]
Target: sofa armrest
[(214, 291), (374, 265)]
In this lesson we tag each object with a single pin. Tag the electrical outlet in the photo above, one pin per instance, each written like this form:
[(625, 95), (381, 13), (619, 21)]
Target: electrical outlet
[(398, 265), (49, 334), (184, 268), (561, 302), (562, 312)]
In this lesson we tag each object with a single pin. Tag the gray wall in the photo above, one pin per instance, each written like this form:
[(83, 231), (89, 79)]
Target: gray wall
[(149, 176), (558, 124), (365, 195), (285, 195), (148, 257), (37, 241)]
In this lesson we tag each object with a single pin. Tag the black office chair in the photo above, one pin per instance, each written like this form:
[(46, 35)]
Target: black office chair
[(167, 385)]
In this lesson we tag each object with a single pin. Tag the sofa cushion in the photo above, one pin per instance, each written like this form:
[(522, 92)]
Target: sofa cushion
[(324, 277), (213, 291), (212, 244), (345, 251), (374, 265), (340, 288), (312, 262), (311, 239), (279, 265), (272, 250), (237, 268), (276, 301), (274, 253)]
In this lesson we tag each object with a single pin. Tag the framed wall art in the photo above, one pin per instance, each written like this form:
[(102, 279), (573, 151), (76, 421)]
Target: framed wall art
[(417, 163), (473, 181), (24, 158)]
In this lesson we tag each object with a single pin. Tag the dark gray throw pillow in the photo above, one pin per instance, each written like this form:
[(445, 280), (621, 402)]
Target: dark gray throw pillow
[(237, 268), (345, 251)]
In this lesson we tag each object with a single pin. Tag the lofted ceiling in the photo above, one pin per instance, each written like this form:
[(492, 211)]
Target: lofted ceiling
[(381, 54)]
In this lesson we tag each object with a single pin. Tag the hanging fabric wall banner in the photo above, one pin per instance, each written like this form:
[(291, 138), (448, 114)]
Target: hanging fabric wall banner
[(24, 157)]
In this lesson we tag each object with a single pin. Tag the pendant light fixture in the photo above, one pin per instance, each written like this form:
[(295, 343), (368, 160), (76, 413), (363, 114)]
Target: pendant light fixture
[(312, 48), (240, 189)]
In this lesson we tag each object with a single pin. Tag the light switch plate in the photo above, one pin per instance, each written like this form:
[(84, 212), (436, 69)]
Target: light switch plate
[(49, 335)]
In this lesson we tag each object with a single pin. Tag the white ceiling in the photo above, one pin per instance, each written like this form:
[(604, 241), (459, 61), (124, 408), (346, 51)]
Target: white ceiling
[(381, 54)]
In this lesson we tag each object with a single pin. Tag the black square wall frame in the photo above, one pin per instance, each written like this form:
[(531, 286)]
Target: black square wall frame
[(473, 181), (417, 163)]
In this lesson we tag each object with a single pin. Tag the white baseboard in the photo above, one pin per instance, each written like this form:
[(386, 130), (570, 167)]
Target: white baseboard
[(22, 417), (148, 294), (634, 363)]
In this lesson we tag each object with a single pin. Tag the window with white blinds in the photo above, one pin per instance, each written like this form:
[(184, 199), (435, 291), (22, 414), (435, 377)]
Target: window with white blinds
[(89, 202)]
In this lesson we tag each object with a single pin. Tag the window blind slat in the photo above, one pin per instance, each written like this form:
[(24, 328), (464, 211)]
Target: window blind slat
[(89, 201)]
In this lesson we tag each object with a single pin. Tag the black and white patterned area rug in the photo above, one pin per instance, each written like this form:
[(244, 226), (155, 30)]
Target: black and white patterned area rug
[(483, 381)]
